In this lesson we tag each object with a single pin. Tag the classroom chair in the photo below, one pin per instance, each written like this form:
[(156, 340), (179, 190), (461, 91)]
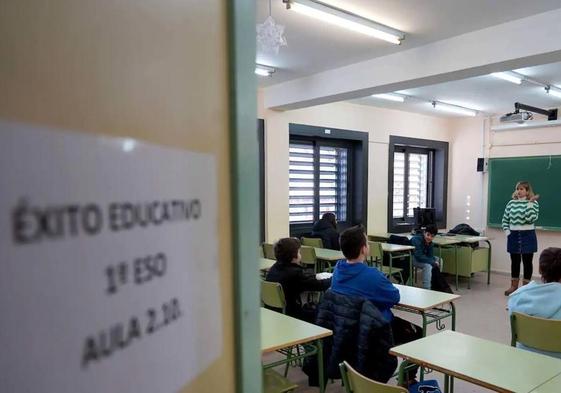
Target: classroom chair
[(272, 295), (356, 383), (273, 382), (312, 242), (269, 251), (309, 259), (534, 332), (376, 259)]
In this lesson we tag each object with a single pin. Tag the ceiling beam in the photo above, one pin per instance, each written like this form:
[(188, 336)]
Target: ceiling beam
[(520, 43)]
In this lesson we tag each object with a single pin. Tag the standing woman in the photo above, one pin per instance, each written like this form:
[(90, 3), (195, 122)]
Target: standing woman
[(518, 223)]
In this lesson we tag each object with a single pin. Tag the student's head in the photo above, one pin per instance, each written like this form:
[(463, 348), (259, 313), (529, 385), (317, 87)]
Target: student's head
[(354, 243), (523, 189), (550, 264), (330, 218), (430, 232), (287, 250)]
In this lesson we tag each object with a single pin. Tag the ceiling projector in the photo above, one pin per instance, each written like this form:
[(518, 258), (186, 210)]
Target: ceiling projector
[(516, 117)]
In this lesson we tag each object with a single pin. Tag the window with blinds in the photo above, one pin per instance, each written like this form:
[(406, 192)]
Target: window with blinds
[(411, 185), (317, 181)]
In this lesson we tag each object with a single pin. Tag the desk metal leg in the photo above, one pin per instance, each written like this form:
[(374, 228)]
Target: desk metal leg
[(320, 366), (410, 280), (488, 263), (456, 261)]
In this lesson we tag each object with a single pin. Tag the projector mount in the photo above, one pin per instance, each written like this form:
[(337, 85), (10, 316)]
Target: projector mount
[(551, 113)]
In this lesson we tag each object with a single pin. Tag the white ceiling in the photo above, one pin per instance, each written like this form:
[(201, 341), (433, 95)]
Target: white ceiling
[(314, 46), (483, 93)]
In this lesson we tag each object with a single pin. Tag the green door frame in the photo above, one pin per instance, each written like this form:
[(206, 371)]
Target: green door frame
[(245, 201)]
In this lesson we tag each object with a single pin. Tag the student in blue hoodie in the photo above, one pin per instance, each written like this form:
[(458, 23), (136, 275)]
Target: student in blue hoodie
[(541, 299), (352, 277)]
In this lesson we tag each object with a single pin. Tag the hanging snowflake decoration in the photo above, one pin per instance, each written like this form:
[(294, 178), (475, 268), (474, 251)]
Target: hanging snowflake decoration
[(270, 36)]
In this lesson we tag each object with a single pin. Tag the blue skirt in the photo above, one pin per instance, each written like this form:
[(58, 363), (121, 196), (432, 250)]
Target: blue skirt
[(522, 242)]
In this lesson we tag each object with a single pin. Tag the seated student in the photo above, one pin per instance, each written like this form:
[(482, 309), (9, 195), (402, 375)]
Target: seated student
[(326, 230), (352, 277), (288, 272), (423, 255), (541, 299)]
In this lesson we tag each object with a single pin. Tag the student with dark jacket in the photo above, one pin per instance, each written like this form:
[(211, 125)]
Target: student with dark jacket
[(352, 277), (294, 280), (361, 335), (326, 230)]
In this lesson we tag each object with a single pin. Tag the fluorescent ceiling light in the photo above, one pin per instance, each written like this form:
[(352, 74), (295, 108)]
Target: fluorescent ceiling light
[(460, 110), (553, 91), (508, 76), (345, 19), (264, 70), (390, 97)]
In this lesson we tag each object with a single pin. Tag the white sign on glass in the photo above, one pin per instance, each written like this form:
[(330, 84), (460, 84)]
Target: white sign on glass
[(108, 264)]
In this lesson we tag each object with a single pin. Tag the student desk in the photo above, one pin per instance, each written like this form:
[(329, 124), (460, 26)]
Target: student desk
[(445, 241), (551, 386), (327, 255), (494, 366), (280, 331), (467, 259), (266, 264), (397, 251), (429, 304)]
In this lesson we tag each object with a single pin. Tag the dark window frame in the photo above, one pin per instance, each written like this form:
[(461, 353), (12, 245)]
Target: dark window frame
[(437, 180), (357, 171), (407, 150)]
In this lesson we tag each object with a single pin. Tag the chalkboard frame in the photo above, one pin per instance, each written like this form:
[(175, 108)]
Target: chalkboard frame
[(489, 186)]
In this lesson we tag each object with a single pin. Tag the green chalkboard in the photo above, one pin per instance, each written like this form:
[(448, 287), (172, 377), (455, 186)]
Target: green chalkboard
[(543, 173)]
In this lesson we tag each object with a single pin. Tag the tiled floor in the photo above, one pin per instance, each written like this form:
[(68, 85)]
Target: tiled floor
[(481, 312)]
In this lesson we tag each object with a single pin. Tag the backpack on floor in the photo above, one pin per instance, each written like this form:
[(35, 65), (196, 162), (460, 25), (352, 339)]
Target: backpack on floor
[(438, 282), (429, 386)]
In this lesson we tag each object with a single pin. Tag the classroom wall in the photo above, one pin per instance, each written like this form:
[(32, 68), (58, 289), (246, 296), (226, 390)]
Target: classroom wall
[(133, 68), (469, 137), (379, 123)]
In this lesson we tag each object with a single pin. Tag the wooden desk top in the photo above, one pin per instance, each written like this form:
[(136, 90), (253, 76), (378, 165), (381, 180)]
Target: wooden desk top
[(281, 331), (328, 255), (445, 240), (551, 386), (468, 239), (486, 363), (265, 264), (423, 299), (387, 247)]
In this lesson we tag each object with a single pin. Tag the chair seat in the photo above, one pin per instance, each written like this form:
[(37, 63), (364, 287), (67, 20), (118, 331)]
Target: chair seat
[(273, 382), (386, 270)]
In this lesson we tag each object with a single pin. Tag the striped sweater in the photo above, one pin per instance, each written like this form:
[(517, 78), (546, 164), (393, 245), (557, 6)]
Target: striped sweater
[(520, 215)]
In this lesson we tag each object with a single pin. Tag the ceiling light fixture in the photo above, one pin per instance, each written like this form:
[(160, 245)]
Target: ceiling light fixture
[(263, 70), (390, 97), (460, 110), (509, 76), (553, 91), (336, 16)]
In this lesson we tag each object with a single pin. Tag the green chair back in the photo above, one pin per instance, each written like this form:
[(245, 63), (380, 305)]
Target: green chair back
[(312, 242), (376, 253), (534, 332), (358, 383), (272, 295), (269, 251), (309, 258), (260, 252)]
